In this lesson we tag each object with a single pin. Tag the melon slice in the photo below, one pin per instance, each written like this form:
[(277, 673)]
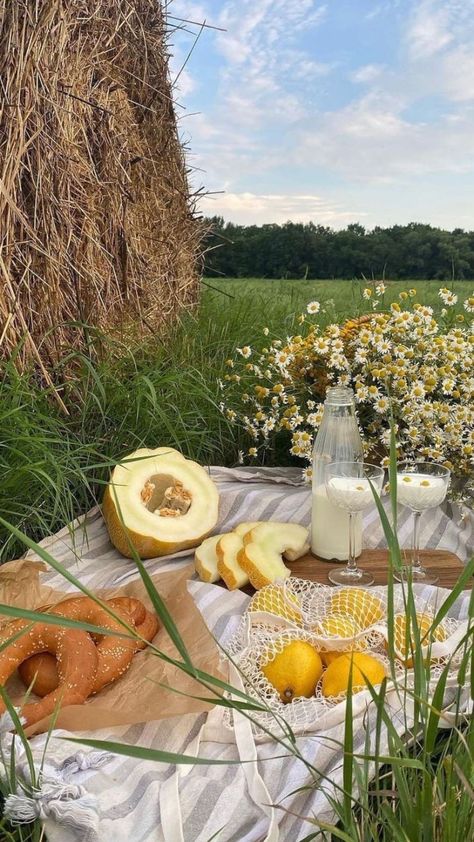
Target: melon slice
[(261, 555), (205, 559), (228, 549), (158, 502)]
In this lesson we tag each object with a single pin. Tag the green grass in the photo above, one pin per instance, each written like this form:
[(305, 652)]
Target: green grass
[(278, 302), (162, 392), (165, 392)]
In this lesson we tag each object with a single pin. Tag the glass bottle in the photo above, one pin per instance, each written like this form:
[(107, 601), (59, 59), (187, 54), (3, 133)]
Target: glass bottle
[(338, 440)]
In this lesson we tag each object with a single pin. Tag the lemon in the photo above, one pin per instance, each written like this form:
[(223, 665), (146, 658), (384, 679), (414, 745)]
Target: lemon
[(364, 607), (294, 671), (424, 622), (337, 625), (275, 600), (328, 657), (365, 669)]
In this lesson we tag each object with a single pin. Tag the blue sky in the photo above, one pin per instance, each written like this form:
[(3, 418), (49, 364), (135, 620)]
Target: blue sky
[(337, 111)]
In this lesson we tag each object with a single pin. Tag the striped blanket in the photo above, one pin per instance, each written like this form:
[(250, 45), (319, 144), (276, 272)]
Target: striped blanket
[(214, 801)]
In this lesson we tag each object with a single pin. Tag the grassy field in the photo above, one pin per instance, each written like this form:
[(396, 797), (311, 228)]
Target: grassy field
[(54, 467), (162, 392), (254, 301)]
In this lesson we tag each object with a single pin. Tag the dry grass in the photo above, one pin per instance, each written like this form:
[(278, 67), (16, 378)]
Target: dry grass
[(96, 222)]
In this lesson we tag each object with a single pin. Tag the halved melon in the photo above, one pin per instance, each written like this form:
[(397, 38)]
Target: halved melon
[(158, 502), (227, 550), (205, 559), (261, 555)]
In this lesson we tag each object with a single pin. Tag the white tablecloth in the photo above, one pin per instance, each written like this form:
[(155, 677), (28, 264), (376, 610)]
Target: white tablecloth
[(213, 798)]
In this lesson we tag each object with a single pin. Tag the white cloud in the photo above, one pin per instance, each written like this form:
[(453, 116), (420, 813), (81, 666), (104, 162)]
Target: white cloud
[(257, 209), (370, 141), (366, 73), (412, 119), (457, 73), (261, 54), (429, 29)]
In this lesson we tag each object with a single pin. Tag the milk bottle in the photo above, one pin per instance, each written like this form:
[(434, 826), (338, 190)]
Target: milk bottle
[(338, 440)]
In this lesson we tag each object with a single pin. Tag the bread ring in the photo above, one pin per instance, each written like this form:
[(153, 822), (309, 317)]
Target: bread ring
[(147, 630), (131, 606), (40, 672), (114, 654), (76, 664)]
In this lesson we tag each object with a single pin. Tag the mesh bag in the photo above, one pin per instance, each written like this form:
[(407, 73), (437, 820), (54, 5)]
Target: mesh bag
[(334, 621)]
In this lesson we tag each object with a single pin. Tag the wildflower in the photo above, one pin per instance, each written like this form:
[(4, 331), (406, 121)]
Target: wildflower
[(412, 293), (313, 307), (268, 426), (447, 297), (403, 296), (245, 352), (282, 357), (229, 363), (252, 451), (321, 346), (307, 474), (469, 304), (367, 293), (265, 331), (382, 405), (380, 288), (418, 390)]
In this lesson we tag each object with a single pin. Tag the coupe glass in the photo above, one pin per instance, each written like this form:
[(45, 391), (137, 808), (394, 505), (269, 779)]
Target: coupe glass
[(420, 486), (349, 487)]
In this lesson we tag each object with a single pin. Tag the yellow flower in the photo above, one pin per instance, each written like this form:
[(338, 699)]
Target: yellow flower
[(403, 296), (278, 388)]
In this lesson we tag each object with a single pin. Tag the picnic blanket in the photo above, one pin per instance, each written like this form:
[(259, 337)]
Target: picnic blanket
[(145, 801)]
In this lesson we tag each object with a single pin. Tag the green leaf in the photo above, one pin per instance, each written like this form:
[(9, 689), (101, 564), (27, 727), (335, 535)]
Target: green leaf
[(153, 754), (52, 620)]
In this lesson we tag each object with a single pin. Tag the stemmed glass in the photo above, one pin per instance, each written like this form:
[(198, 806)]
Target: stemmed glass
[(349, 487), (420, 486)]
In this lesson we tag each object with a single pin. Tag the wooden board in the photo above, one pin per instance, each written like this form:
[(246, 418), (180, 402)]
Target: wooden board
[(446, 563)]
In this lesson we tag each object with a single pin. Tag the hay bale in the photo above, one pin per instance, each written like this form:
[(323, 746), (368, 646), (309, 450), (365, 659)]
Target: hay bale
[(96, 221)]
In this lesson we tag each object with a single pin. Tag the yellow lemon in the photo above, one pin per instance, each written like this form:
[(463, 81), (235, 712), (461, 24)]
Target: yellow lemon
[(365, 669), (294, 671), (337, 625), (424, 622), (328, 657), (275, 601), (364, 607)]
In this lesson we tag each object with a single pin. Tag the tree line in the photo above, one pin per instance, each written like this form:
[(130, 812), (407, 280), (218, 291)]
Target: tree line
[(307, 250)]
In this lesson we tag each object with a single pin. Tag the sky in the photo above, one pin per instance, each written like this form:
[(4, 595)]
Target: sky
[(336, 112)]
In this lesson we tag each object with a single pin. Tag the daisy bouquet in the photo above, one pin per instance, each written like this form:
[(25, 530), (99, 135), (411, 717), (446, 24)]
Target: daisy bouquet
[(406, 357)]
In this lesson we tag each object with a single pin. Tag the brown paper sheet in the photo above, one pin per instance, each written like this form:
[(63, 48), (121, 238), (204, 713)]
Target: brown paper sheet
[(136, 696)]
